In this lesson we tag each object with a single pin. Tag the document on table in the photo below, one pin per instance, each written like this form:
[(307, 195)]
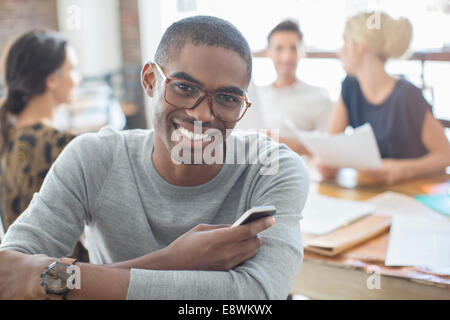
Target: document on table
[(419, 241), (391, 203), (323, 214), (358, 150)]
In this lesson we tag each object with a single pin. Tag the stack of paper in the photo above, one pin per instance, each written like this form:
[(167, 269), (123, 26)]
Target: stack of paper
[(358, 150), (323, 214), (419, 241), (344, 238), (419, 236)]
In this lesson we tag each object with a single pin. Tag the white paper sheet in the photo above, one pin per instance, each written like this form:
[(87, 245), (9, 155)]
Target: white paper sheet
[(391, 203), (324, 214), (358, 150), (419, 241)]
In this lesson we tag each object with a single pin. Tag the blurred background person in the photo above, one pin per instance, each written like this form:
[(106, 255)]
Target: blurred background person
[(3, 56), (40, 74), (411, 141), (306, 106)]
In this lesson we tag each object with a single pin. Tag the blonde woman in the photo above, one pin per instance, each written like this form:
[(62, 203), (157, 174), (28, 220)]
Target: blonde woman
[(411, 141)]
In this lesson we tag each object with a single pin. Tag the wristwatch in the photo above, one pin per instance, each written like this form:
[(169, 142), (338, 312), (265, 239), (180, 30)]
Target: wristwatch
[(59, 277)]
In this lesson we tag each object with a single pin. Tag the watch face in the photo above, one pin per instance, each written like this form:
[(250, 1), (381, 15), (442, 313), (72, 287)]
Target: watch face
[(54, 285), (56, 278)]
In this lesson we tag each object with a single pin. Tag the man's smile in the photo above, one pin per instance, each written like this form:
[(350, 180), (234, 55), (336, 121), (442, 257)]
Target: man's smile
[(194, 135)]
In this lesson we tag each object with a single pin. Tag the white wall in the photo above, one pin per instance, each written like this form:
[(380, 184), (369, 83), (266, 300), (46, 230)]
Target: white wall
[(93, 28)]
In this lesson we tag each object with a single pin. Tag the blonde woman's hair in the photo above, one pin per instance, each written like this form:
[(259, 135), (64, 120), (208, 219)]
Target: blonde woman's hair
[(384, 36)]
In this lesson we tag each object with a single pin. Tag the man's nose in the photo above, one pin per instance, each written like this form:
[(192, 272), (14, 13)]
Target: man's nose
[(285, 55), (289, 54), (203, 111)]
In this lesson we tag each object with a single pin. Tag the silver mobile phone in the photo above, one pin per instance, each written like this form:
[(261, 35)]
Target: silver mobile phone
[(255, 213)]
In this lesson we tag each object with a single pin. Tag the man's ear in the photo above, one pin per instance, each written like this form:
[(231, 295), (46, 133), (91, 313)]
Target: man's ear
[(148, 79)]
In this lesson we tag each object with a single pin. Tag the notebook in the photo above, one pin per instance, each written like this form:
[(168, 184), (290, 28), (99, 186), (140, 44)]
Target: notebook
[(350, 236), (323, 214)]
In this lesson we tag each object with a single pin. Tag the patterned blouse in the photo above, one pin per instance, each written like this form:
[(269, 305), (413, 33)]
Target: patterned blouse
[(29, 155)]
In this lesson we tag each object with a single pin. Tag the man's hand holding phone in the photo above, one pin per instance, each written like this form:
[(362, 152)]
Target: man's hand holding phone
[(255, 213), (217, 247)]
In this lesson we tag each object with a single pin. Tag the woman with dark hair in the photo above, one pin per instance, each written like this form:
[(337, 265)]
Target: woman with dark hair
[(39, 75)]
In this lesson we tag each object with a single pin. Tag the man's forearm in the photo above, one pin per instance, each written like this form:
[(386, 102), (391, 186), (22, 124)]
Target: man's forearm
[(111, 281), (96, 281), (20, 278), (158, 260), (101, 282)]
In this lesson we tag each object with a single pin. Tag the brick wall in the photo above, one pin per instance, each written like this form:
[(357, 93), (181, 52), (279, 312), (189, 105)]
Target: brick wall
[(132, 102), (19, 16), (129, 29)]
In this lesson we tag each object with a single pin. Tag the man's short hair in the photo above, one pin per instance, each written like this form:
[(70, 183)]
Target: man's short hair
[(286, 25), (203, 30)]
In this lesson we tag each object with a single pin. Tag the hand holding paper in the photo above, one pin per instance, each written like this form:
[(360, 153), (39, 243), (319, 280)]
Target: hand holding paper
[(358, 150)]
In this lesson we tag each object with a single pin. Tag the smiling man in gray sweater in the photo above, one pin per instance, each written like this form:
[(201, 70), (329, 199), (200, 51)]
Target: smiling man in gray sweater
[(157, 227)]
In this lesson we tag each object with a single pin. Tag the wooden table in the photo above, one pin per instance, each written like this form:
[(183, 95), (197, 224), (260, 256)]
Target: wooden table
[(360, 273)]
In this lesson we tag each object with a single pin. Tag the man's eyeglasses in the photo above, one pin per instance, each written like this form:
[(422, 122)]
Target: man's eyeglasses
[(184, 94)]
